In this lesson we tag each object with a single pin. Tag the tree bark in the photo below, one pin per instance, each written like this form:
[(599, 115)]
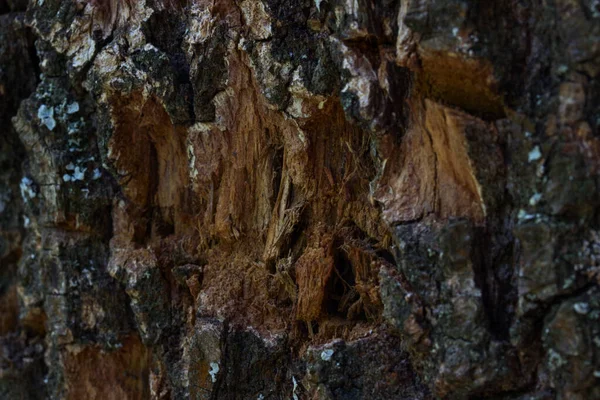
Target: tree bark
[(266, 199)]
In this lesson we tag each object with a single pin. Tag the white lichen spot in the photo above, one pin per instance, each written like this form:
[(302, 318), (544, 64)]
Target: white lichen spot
[(296, 108), (597, 374), (192, 162), (73, 108), (562, 69), (46, 116), (455, 31), (326, 354), (27, 191), (523, 215), (534, 154), (318, 5), (581, 308), (535, 199), (294, 395), (78, 174), (97, 174), (214, 370), (260, 397), (150, 47), (26, 221)]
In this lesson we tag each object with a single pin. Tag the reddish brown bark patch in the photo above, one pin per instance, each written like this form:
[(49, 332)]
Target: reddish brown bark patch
[(431, 171), (148, 152), (460, 81), (94, 374), (9, 310), (313, 270)]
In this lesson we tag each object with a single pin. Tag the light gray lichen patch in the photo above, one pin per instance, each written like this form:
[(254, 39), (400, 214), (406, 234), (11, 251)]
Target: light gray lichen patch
[(78, 174), (294, 395), (535, 199), (214, 370), (581, 308), (73, 108), (326, 354), (534, 154), (524, 216), (27, 190), (46, 116)]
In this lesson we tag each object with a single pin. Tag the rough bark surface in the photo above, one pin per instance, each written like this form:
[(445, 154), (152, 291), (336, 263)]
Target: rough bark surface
[(302, 199)]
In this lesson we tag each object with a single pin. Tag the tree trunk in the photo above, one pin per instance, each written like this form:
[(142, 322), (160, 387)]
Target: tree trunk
[(267, 199)]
